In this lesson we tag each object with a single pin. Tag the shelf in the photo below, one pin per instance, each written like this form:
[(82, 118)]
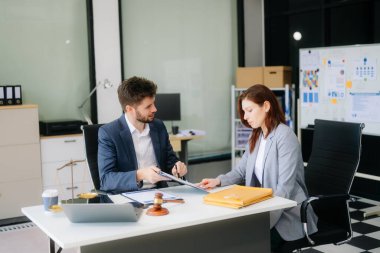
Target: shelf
[(273, 89)]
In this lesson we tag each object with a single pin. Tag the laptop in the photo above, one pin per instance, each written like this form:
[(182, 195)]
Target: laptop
[(102, 209)]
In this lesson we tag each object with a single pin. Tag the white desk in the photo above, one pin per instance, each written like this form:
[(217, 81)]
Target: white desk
[(193, 227)]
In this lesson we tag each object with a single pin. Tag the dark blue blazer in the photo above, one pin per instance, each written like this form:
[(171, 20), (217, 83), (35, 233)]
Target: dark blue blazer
[(117, 160)]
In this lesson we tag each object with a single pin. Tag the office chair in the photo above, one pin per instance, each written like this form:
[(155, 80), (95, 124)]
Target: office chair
[(90, 133), (334, 159)]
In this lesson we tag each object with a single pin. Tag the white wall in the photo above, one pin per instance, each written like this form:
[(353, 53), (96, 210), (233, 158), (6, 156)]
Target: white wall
[(254, 33), (107, 58)]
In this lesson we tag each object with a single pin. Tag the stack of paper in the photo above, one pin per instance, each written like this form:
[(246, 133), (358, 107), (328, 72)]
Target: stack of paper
[(189, 132)]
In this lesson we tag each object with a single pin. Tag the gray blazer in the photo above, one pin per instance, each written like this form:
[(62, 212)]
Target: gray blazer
[(284, 173)]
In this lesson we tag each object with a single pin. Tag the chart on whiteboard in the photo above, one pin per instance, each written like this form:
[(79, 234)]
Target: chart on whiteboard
[(341, 83)]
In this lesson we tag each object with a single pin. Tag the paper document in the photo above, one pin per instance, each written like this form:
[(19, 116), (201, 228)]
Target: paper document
[(190, 132), (147, 196), (180, 180), (120, 199)]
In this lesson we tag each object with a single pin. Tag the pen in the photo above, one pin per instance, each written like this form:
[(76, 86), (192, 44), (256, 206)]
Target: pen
[(176, 169)]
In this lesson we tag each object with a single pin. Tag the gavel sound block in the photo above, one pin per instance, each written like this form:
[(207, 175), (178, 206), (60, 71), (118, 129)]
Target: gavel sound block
[(157, 209)]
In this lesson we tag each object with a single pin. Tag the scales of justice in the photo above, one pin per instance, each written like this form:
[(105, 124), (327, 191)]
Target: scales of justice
[(71, 164)]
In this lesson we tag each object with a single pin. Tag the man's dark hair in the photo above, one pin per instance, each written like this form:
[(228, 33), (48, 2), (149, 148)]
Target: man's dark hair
[(133, 90)]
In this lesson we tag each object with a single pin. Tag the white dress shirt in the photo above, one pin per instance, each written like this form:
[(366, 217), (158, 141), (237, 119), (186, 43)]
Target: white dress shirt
[(259, 168), (143, 147)]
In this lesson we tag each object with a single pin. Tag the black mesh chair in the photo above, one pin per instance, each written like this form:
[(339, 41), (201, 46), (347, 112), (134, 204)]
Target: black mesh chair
[(329, 175), (90, 133)]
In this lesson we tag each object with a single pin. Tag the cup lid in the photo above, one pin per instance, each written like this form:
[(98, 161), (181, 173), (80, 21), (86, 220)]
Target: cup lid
[(50, 193)]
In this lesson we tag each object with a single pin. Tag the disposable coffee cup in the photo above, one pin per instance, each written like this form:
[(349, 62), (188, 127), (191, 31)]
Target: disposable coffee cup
[(175, 129), (50, 198)]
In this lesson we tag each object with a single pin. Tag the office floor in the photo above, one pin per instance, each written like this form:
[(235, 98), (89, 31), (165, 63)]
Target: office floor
[(366, 231)]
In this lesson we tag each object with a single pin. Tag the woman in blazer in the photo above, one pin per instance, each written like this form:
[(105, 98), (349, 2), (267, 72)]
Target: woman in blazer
[(272, 159)]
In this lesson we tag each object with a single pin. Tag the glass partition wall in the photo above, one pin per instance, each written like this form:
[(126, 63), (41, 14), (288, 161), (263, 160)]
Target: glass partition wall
[(44, 48), (186, 47)]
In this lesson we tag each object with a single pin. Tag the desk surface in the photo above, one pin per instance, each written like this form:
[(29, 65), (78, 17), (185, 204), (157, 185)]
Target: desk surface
[(193, 212), (184, 138)]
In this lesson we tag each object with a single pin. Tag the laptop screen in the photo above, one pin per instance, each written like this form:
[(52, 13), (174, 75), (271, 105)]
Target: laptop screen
[(100, 199)]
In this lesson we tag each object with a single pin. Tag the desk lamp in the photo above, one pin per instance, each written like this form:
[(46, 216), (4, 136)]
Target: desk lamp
[(106, 84)]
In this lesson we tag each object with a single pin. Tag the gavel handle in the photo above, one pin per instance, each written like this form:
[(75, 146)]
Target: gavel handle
[(174, 201)]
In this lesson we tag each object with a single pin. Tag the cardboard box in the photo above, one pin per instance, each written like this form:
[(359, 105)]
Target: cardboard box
[(248, 76), (277, 76)]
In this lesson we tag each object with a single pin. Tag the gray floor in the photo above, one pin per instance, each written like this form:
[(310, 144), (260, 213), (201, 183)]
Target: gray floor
[(366, 231)]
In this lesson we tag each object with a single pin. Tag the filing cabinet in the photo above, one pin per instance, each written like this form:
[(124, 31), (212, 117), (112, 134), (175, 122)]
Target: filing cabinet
[(20, 162), (56, 151)]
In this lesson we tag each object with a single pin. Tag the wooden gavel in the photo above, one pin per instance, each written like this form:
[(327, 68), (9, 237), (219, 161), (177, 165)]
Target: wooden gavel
[(157, 209)]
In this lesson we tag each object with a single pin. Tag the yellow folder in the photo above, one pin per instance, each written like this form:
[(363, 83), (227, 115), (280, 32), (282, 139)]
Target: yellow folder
[(238, 196)]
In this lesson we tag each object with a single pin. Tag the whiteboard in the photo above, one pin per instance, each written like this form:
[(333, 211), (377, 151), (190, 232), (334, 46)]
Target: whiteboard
[(340, 83)]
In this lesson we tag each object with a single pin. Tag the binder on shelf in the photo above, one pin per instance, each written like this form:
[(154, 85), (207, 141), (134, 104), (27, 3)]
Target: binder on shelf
[(9, 95), (2, 95), (242, 134), (17, 95)]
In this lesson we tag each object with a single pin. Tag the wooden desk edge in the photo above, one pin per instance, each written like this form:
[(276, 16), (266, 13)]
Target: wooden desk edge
[(185, 138)]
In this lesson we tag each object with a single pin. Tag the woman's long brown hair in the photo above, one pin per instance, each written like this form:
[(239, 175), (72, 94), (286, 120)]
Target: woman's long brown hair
[(258, 94)]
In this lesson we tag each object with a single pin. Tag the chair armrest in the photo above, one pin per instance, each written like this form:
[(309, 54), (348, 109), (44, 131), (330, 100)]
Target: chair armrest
[(306, 203)]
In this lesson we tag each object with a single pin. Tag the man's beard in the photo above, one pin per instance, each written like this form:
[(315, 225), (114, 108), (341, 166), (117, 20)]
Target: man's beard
[(143, 119)]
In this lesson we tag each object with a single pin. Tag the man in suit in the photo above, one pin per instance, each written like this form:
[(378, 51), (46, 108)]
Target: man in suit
[(135, 147)]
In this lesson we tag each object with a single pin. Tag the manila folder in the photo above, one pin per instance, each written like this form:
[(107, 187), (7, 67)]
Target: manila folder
[(238, 196)]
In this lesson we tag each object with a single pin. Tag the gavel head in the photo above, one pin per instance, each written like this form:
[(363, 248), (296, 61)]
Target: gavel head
[(157, 209), (157, 202)]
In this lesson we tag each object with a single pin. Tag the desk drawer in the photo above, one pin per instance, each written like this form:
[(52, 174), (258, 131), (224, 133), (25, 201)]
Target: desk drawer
[(51, 176), (20, 162), (62, 149), (17, 194), (19, 126)]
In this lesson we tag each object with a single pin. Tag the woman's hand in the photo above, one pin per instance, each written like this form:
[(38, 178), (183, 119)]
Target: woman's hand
[(209, 183)]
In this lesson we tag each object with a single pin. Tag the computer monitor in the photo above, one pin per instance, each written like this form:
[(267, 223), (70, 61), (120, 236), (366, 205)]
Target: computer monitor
[(168, 106)]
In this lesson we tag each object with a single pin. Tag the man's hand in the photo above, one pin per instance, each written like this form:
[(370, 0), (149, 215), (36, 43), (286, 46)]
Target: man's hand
[(149, 174), (209, 183), (179, 169)]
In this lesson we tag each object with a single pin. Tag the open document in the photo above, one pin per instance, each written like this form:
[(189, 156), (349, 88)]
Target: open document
[(180, 180), (146, 197)]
